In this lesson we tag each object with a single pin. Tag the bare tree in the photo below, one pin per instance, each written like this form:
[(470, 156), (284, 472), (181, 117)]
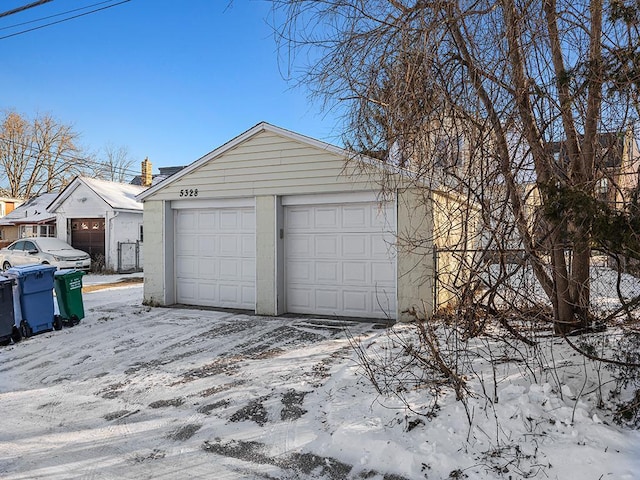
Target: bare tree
[(471, 96), (115, 164), (37, 156)]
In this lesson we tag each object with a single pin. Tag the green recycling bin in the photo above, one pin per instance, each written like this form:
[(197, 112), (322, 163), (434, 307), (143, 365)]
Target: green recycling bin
[(68, 286)]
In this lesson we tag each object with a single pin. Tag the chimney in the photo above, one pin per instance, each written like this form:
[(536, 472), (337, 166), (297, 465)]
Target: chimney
[(146, 173)]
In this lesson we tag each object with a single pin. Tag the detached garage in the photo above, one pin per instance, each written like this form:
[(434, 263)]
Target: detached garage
[(273, 222)]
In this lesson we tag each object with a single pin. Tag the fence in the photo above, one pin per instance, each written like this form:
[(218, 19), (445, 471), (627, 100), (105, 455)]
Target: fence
[(129, 257), (506, 280)]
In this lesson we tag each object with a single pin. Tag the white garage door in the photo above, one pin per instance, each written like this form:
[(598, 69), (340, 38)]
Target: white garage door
[(215, 257), (340, 259)]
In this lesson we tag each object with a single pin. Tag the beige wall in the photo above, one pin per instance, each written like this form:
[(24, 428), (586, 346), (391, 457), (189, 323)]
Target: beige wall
[(269, 164), (415, 254), (455, 236)]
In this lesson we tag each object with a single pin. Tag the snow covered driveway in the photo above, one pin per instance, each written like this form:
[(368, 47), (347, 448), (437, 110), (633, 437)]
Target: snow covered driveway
[(134, 392), (157, 393)]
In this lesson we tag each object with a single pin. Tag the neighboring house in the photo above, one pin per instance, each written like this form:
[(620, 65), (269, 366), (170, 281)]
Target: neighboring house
[(8, 204), (274, 222), (102, 218), (30, 219), (617, 164)]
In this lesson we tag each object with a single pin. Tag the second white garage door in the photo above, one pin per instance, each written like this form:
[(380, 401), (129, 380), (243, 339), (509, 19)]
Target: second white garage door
[(340, 260), (215, 257)]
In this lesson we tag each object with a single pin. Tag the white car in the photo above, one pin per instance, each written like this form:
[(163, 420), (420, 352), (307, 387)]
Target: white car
[(45, 250)]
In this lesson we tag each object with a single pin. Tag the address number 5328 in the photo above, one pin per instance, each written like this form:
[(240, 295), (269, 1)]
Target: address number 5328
[(189, 192)]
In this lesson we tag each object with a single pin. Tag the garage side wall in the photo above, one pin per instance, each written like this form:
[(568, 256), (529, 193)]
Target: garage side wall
[(455, 227), (415, 255), (156, 271)]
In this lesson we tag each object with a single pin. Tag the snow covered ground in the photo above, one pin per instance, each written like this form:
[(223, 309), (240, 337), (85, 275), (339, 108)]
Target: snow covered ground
[(160, 393)]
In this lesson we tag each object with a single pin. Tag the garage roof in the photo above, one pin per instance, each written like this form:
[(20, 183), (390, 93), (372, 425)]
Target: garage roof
[(119, 196)]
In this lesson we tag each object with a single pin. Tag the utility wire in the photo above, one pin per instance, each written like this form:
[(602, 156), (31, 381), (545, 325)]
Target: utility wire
[(24, 7), (71, 158), (54, 16), (64, 20)]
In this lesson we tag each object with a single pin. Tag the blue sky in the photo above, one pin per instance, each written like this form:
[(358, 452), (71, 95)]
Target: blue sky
[(171, 80)]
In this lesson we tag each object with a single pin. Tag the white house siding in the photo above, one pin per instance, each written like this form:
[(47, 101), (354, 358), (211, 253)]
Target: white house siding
[(264, 168)]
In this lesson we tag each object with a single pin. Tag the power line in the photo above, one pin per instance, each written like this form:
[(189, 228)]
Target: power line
[(71, 158), (64, 20), (55, 15), (24, 7)]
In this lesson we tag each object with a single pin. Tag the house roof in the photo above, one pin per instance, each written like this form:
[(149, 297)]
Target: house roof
[(260, 127), (119, 196), (610, 148), (33, 211)]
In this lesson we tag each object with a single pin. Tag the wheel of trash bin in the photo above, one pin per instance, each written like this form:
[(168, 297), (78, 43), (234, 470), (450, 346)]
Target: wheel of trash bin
[(25, 329), (6, 266), (16, 336), (57, 323)]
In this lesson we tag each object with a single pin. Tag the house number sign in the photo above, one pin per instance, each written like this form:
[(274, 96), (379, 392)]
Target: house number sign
[(189, 192)]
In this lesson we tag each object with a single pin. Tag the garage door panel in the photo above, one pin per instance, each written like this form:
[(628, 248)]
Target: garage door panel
[(207, 245), (230, 293), (350, 271), (382, 245), (327, 272), (207, 293), (248, 244), (356, 302), (206, 222), (382, 274), (185, 266), (187, 245), (207, 268), (186, 222), (299, 216), (356, 272), (299, 299), (299, 272), (215, 257), (230, 221), (326, 300), (355, 246), (187, 290), (326, 245), (299, 245), (354, 217), (229, 246), (325, 218)]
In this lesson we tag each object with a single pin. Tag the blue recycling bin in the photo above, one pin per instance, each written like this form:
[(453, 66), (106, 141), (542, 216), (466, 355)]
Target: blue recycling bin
[(7, 317), (35, 284)]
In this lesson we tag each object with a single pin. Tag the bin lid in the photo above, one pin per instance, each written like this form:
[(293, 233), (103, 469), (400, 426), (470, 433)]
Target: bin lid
[(24, 270), (4, 279), (69, 272)]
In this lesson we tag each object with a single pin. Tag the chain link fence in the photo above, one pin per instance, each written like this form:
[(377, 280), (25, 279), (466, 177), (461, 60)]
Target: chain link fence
[(504, 280)]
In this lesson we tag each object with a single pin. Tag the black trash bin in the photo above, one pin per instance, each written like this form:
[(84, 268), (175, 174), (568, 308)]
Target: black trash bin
[(8, 329)]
